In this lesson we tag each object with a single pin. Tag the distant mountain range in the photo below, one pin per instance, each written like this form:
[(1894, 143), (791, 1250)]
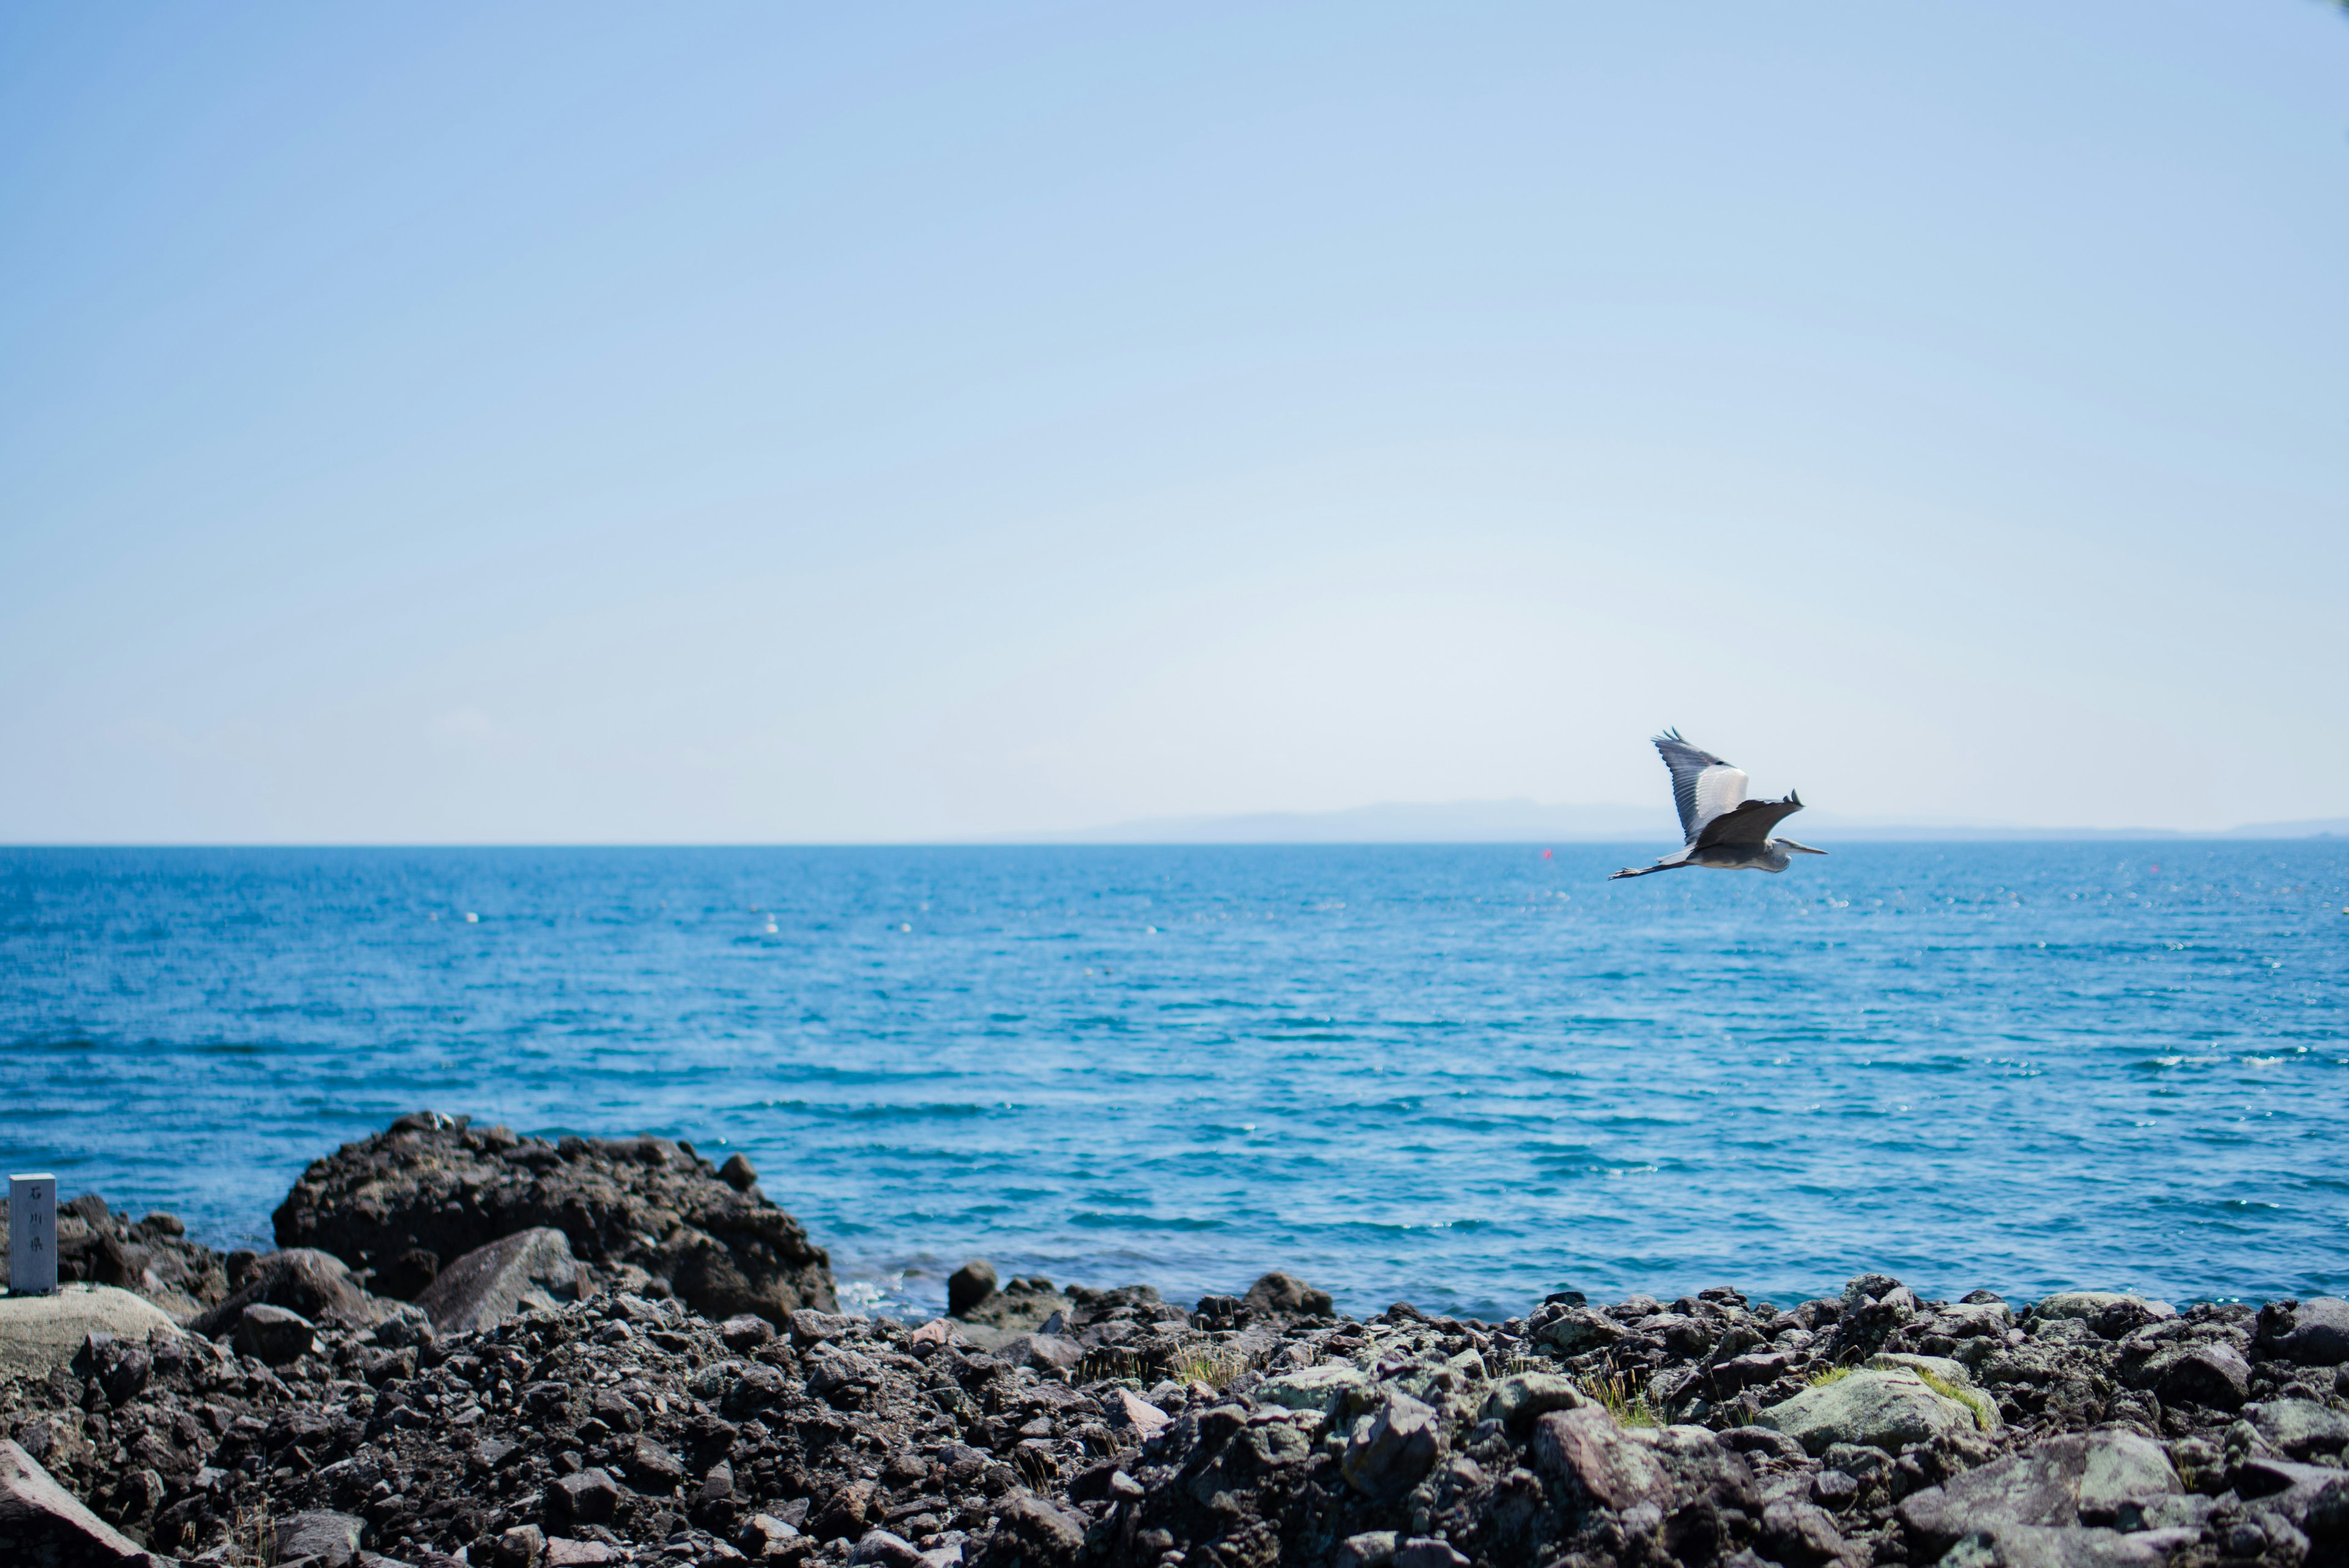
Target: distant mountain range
[(1528, 821)]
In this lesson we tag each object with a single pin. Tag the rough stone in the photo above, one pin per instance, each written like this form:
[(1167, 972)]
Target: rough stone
[(332, 1539), (1881, 1409), (2065, 1480), (2109, 1314), (2301, 1428), (2198, 1372), (1585, 1448), (436, 1182), (1394, 1447), (529, 1268), (1278, 1294), (43, 1334), (42, 1525), (1313, 1388), (2313, 1332), (969, 1286), (304, 1280), (273, 1333)]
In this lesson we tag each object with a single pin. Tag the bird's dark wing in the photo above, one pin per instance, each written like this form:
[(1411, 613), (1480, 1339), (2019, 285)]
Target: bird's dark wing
[(1703, 785), (1748, 822)]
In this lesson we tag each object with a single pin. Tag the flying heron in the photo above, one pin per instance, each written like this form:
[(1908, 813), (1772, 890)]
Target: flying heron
[(1725, 829)]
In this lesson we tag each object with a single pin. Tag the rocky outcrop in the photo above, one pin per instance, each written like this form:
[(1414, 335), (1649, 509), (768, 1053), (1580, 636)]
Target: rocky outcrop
[(648, 1214)]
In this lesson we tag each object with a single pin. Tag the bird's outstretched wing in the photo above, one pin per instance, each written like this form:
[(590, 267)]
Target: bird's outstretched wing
[(1748, 823), (1703, 785)]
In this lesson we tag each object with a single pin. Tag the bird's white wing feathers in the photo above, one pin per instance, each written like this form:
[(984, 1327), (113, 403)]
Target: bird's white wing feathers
[(1718, 789), (1703, 785)]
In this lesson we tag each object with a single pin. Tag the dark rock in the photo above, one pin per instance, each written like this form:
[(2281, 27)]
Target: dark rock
[(1397, 1446), (437, 1183), (745, 1331), (2313, 1332), (304, 1280), (273, 1333), (330, 1538), (969, 1286), (884, 1550), (406, 1276), (532, 1267), (589, 1497), (42, 1525), (737, 1173), (1278, 1294), (1032, 1532)]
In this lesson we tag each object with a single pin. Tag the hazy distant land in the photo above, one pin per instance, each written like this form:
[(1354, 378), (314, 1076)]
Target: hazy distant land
[(1530, 821)]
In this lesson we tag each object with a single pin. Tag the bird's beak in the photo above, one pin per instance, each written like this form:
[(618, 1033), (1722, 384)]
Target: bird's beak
[(1790, 844)]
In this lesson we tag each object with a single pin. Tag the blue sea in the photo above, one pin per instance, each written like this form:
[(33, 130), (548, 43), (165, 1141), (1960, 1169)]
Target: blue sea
[(1460, 1076)]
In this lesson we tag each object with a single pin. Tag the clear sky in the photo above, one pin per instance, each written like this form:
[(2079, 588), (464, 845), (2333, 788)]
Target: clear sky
[(516, 423)]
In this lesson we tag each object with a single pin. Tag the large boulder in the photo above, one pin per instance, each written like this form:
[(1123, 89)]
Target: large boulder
[(41, 1334), (434, 1187), (1886, 1409), (528, 1268), (43, 1525)]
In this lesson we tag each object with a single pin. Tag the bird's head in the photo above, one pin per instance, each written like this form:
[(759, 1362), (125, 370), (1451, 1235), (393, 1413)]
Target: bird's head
[(1798, 849)]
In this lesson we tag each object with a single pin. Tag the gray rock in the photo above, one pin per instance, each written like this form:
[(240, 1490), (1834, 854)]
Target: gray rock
[(2112, 1316), (491, 1283), (1967, 1319), (1312, 1388), (745, 1331), (273, 1333), (521, 1547), (1392, 1448), (2301, 1428), (1370, 1548), (2061, 1546), (1886, 1410), (1578, 1330), (886, 1550), (562, 1552), (332, 1539), (42, 1525), (2197, 1372), (1802, 1533), (1515, 1402), (43, 1334), (1585, 1447), (2084, 1477), (1428, 1551), (2313, 1332)]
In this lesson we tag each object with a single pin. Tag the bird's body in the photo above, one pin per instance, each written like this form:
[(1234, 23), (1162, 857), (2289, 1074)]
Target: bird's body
[(1721, 827)]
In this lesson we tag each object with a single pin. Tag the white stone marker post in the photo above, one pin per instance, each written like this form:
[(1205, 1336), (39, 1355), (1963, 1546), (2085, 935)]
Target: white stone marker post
[(33, 1234)]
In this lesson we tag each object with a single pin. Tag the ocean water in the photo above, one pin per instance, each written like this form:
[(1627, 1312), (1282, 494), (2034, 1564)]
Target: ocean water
[(1461, 1076)]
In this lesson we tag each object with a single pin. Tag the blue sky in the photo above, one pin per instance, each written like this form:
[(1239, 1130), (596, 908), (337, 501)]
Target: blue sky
[(458, 423)]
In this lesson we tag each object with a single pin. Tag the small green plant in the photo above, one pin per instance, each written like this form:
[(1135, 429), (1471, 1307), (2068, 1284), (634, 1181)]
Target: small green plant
[(1832, 1375), (1216, 1368), (1622, 1398), (252, 1538), (1985, 1414)]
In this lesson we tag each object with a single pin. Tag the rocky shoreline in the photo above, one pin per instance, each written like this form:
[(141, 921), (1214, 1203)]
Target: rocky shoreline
[(478, 1347)]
